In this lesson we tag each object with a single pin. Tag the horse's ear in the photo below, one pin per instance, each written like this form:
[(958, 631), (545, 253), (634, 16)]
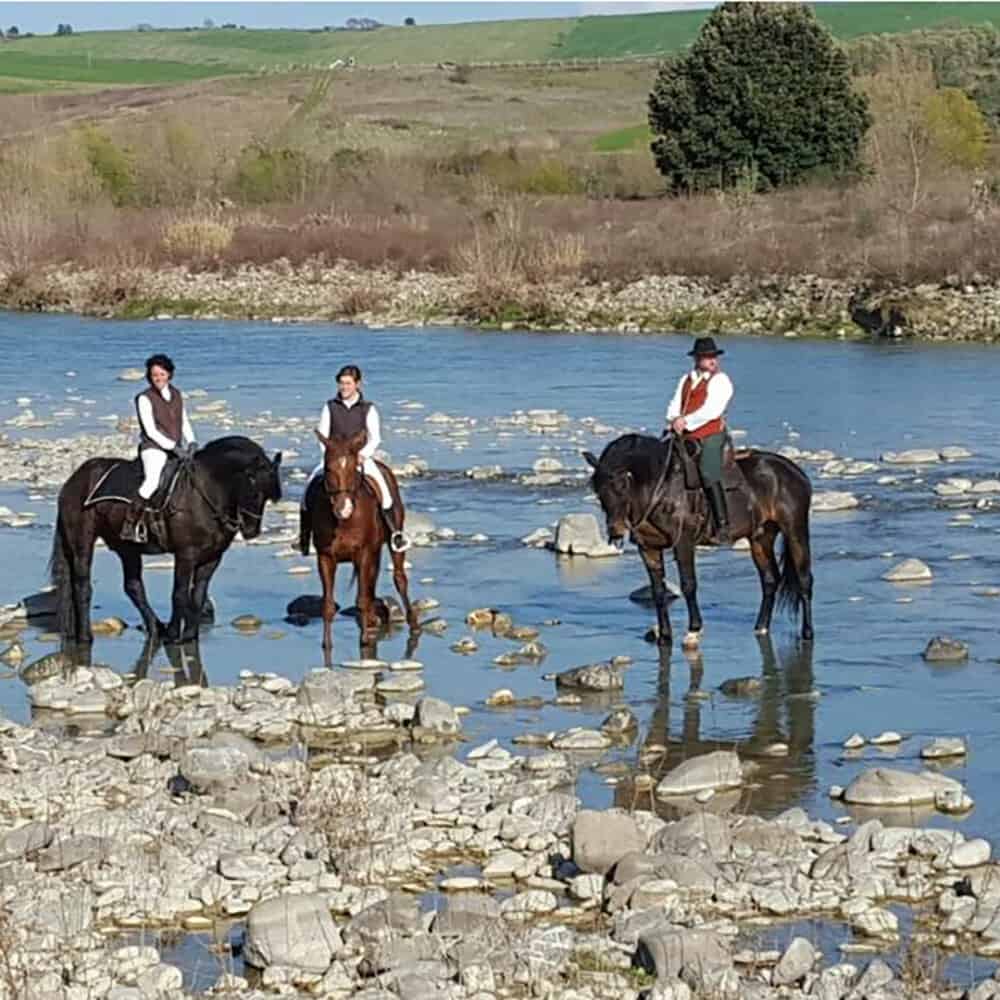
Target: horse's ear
[(589, 457), (276, 461), (358, 441), (324, 441)]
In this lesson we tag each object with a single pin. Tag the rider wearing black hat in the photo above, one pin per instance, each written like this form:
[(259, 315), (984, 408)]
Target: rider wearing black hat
[(698, 410)]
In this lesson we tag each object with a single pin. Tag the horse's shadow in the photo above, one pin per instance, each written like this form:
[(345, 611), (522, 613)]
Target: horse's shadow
[(784, 713)]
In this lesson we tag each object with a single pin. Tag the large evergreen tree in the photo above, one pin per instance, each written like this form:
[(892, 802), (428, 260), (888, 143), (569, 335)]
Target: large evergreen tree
[(763, 93)]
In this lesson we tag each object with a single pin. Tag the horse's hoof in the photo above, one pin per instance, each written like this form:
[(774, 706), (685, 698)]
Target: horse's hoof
[(691, 640)]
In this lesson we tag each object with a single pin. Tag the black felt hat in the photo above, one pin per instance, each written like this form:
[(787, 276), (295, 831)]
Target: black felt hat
[(705, 347)]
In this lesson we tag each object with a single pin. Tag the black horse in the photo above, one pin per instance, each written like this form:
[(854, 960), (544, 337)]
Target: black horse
[(642, 487), (222, 492)]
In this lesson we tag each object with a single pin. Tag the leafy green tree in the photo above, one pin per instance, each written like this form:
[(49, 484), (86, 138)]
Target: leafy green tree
[(958, 130), (763, 89)]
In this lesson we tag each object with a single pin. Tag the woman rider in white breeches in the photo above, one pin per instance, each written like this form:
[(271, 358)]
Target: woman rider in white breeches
[(163, 428)]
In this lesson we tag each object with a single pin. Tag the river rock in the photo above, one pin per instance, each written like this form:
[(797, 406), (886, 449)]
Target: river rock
[(591, 677), (954, 453), (326, 698), (580, 535), (600, 839), (826, 501), (580, 739), (909, 571), (944, 746), (438, 716), (912, 456), (741, 687), (670, 953), (247, 623), (718, 770), (295, 931), (889, 787), (305, 606), (466, 914), (209, 767), (944, 649), (795, 964), (131, 375), (620, 722)]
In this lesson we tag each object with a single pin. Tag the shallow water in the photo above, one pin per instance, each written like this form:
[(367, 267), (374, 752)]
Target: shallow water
[(853, 398)]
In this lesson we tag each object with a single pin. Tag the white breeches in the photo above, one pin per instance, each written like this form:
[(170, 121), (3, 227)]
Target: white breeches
[(153, 461), (370, 468)]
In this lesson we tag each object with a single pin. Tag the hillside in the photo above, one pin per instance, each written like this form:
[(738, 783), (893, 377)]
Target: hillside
[(177, 56)]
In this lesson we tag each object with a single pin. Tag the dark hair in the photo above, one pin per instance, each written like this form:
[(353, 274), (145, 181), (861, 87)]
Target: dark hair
[(353, 370), (158, 361)]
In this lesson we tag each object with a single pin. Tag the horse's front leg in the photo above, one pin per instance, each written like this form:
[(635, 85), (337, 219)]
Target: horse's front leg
[(653, 561), (199, 595), (684, 554), (367, 567), (327, 574), (402, 583), (182, 610), (131, 559)]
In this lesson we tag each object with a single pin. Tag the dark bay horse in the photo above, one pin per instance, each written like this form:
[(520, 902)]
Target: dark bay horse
[(640, 483), (347, 526), (222, 492)]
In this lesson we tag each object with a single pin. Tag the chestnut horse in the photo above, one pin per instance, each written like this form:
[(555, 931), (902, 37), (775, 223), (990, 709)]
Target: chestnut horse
[(347, 526)]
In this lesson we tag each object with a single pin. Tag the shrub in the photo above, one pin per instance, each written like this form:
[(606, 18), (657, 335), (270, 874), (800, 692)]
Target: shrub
[(111, 165), (198, 236), (265, 174), (958, 130), (762, 85)]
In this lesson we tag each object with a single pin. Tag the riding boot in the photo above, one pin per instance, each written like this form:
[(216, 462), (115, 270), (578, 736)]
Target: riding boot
[(393, 519), (305, 531), (716, 494), (134, 525)]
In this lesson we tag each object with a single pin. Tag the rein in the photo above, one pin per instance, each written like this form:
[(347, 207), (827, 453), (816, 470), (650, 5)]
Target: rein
[(655, 496), (230, 524)]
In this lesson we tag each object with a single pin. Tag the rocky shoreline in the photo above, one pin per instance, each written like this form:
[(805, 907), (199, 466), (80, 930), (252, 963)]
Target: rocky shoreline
[(344, 841), (799, 305)]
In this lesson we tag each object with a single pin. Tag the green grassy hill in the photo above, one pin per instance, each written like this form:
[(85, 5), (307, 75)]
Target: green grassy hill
[(156, 57)]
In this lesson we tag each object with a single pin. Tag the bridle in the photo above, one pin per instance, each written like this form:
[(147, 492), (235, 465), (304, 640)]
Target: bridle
[(654, 497), (230, 524), (351, 494)]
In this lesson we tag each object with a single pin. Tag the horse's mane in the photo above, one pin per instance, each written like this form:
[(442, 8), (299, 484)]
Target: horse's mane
[(639, 454), (234, 448)]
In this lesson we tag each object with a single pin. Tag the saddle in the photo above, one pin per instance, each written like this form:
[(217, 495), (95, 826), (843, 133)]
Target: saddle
[(732, 475), (122, 481)]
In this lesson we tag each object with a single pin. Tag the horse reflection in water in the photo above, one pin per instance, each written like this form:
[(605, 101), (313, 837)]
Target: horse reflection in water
[(784, 712)]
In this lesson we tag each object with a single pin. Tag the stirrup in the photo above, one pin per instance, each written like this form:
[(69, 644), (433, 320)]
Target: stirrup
[(398, 542)]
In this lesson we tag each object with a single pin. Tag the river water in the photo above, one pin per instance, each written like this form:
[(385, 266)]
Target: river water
[(864, 672)]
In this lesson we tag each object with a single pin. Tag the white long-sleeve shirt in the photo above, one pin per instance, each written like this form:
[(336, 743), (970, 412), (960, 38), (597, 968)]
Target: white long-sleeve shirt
[(720, 392), (373, 427), (150, 429)]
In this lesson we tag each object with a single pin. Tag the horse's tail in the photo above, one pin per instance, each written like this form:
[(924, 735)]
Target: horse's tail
[(791, 594), (61, 577)]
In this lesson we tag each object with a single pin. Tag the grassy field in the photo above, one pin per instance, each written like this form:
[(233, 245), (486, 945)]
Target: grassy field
[(157, 57)]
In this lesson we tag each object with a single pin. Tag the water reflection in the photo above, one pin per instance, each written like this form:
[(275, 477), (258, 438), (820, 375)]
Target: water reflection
[(783, 712)]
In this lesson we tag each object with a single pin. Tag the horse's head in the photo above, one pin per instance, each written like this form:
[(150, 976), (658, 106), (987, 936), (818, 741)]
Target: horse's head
[(260, 482), (341, 471), (631, 480), (614, 491)]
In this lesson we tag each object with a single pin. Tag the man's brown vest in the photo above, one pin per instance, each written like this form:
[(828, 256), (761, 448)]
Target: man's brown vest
[(346, 421), (693, 398), (168, 417)]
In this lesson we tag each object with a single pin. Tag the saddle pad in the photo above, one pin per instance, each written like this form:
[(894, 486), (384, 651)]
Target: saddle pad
[(122, 481)]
